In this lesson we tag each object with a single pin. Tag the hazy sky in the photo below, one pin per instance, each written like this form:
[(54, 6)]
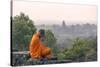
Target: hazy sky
[(41, 13)]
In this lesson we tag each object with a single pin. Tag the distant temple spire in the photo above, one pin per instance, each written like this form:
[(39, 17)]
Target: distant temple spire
[(63, 23)]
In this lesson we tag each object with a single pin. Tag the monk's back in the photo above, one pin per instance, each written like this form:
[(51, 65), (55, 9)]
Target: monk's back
[(37, 49), (34, 47)]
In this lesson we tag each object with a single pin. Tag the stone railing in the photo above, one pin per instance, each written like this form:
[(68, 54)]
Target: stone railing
[(22, 58)]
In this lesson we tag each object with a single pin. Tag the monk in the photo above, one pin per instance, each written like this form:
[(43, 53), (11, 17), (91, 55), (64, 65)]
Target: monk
[(37, 49)]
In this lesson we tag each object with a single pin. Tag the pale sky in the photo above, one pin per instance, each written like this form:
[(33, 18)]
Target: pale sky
[(41, 13)]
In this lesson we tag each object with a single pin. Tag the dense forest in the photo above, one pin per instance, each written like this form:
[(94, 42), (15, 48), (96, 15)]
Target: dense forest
[(83, 47)]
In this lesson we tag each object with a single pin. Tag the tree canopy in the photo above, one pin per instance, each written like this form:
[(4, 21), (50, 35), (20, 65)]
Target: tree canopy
[(82, 50), (22, 30), (51, 41)]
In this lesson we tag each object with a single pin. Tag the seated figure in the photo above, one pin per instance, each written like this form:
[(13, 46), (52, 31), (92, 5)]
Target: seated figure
[(37, 49)]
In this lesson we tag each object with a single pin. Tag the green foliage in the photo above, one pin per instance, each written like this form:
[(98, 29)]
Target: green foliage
[(22, 31), (51, 41), (82, 50), (61, 56)]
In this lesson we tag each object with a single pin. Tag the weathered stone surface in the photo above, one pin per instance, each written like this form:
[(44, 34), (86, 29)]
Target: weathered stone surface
[(22, 58)]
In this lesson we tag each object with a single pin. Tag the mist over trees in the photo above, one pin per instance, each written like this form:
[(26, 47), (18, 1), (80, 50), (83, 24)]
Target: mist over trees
[(66, 33), (68, 42)]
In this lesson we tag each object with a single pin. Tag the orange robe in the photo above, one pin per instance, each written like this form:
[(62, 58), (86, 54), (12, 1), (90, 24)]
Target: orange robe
[(37, 49)]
